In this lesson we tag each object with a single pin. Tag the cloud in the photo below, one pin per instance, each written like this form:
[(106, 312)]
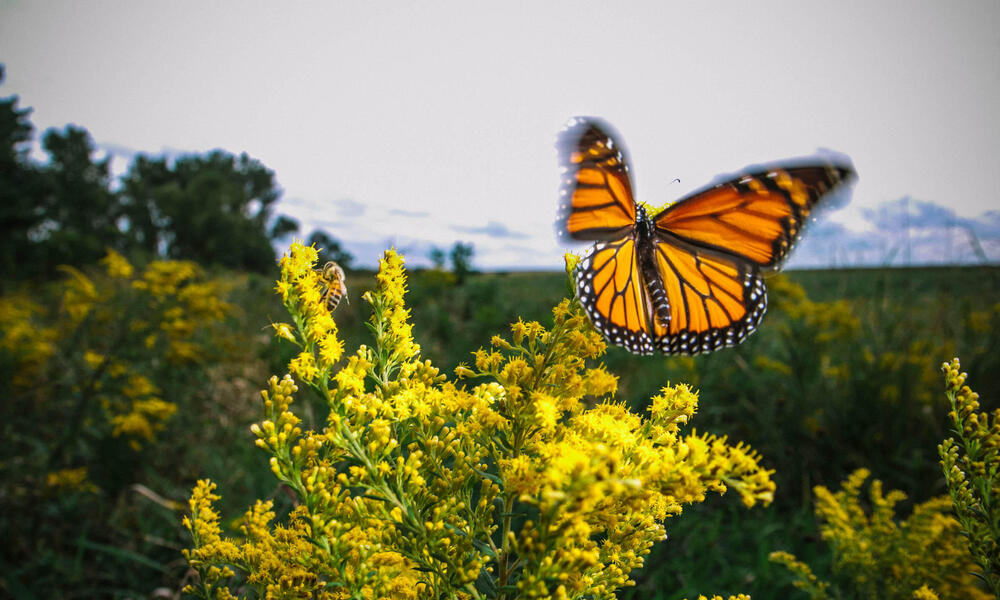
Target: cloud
[(341, 215), (906, 213), (493, 229), (349, 208), (367, 253), (416, 214), (902, 232)]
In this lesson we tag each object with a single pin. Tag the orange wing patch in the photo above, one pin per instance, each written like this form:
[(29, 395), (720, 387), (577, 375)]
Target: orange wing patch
[(713, 300), (610, 287), (596, 197), (758, 216)]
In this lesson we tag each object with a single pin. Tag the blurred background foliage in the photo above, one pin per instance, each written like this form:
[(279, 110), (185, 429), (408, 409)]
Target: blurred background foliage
[(122, 388), (214, 208)]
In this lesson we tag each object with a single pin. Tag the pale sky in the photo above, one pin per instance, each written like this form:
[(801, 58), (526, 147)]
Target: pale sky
[(422, 124)]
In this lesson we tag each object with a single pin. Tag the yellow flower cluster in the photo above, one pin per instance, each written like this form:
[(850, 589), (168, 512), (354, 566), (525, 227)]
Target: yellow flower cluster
[(184, 302), (529, 482), (879, 556), (131, 402), (804, 578), (830, 321), (23, 338), (117, 266), (970, 467), (170, 309), (907, 371), (79, 294), (70, 480), (300, 288), (149, 412), (826, 325), (981, 322)]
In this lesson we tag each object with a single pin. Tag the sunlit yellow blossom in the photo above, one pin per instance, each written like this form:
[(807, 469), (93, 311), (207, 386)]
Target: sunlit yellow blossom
[(117, 266), (284, 331), (80, 294), (537, 479), (882, 556), (69, 480), (183, 351), (164, 278), (303, 366), (571, 259), (924, 593), (146, 416), (139, 386), (93, 359)]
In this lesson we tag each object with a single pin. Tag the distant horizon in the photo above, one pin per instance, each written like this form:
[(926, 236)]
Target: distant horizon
[(927, 227), (422, 125)]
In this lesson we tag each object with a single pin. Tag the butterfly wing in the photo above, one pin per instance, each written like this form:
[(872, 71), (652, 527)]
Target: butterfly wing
[(757, 216), (597, 204), (596, 201), (711, 247), (611, 288), (710, 300)]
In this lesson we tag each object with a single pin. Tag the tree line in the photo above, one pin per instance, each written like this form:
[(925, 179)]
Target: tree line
[(213, 208)]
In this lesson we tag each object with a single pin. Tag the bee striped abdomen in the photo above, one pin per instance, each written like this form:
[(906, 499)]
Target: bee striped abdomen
[(334, 285)]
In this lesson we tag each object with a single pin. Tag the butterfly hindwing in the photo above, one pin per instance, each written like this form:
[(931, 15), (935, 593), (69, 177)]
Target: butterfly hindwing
[(596, 200), (610, 287), (713, 300), (757, 216)]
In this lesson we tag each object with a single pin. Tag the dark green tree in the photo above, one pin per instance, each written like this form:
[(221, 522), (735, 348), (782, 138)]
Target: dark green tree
[(21, 191), (438, 257), (214, 208), (461, 260), (211, 208), (147, 180), (330, 249), (80, 210), (283, 227)]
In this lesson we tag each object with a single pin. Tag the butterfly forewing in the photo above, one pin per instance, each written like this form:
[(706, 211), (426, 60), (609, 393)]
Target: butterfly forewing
[(596, 195), (757, 216)]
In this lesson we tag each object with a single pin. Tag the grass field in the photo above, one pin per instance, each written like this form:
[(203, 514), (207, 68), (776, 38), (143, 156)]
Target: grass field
[(843, 373)]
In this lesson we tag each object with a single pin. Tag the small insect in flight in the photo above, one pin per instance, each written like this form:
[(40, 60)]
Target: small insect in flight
[(334, 285)]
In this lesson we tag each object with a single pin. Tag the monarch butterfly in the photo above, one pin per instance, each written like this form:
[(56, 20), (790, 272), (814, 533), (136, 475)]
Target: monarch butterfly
[(334, 285), (687, 279)]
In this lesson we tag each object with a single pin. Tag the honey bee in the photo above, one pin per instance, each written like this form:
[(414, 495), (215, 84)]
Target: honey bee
[(334, 285)]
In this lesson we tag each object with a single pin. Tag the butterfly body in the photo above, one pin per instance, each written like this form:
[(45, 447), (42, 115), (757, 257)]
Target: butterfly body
[(644, 244), (687, 279)]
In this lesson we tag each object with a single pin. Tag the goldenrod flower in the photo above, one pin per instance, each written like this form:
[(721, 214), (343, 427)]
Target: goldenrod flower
[(70, 480), (880, 556), (970, 470), (117, 265), (412, 486)]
